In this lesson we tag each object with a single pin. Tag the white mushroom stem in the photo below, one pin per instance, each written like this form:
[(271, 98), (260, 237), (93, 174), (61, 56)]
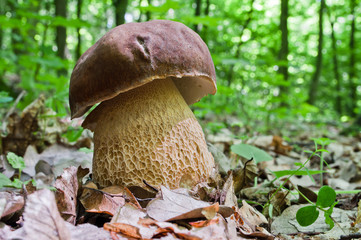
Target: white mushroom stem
[(148, 133)]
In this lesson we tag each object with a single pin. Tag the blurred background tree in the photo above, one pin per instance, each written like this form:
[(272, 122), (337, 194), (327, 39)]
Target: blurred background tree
[(277, 61)]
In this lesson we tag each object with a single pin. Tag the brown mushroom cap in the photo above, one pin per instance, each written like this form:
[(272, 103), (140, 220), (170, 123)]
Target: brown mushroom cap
[(134, 54)]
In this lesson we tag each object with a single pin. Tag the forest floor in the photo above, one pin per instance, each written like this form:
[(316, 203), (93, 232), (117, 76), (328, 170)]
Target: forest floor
[(264, 187)]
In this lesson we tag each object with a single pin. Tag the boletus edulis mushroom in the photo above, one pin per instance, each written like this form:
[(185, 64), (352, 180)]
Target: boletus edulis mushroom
[(145, 75)]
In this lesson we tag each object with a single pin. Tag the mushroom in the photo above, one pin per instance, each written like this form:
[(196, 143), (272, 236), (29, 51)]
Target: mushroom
[(145, 75)]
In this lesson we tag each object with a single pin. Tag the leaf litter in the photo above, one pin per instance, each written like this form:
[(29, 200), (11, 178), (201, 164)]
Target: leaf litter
[(227, 207)]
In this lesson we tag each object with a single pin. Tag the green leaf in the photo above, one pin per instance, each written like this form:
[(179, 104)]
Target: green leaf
[(326, 197), (327, 215), (16, 183), (4, 97), (248, 151), (73, 134), (85, 150), (282, 173), (307, 215), (15, 161), (4, 181)]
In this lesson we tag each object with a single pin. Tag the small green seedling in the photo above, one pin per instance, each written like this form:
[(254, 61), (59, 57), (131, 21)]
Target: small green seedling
[(326, 200), (248, 151), (16, 162)]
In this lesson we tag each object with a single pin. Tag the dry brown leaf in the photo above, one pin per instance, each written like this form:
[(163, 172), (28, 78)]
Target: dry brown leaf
[(166, 229), (228, 197), (211, 211), (123, 228), (107, 200), (10, 203), (254, 218), (204, 223), (217, 230), (67, 185), (178, 206), (42, 219), (132, 215), (279, 147), (173, 204), (244, 177)]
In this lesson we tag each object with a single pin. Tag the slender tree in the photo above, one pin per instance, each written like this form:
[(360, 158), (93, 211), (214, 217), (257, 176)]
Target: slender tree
[(352, 71), (283, 53), (60, 39), (239, 45), (197, 13), (120, 10), (204, 33), (78, 15), (338, 99), (312, 93), (148, 13)]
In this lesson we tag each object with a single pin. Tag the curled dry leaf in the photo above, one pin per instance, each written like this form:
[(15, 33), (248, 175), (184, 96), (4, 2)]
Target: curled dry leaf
[(244, 177), (132, 215), (179, 206), (10, 203), (228, 197), (254, 217), (107, 200), (42, 219), (124, 229), (68, 185)]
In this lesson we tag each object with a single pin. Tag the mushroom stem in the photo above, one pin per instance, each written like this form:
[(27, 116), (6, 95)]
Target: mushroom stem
[(148, 133)]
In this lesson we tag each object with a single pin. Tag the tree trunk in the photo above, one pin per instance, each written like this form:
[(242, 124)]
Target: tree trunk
[(78, 15), (282, 56), (148, 14), (205, 28), (197, 13), (60, 38), (312, 94), (238, 51), (120, 10), (338, 99), (352, 73)]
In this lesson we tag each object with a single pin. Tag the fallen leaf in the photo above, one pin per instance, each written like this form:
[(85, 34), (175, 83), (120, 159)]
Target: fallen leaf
[(107, 200), (244, 177), (204, 223), (228, 197), (123, 228), (174, 204), (132, 215), (254, 217), (10, 203), (42, 219), (68, 185), (58, 157)]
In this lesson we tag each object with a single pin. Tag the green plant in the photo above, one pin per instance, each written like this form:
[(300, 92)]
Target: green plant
[(18, 163), (326, 200), (323, 142), (326, 196), (248, 151)]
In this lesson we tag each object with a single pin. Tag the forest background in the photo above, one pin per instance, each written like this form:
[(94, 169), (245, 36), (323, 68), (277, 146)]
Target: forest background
[(278, 62)]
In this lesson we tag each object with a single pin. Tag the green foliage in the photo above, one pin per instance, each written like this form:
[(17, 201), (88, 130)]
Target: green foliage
[(73, 134), (248, 151), (5, 98), (244, 40), (307, 215), (282, 173), (18, 163), (326, 198)]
